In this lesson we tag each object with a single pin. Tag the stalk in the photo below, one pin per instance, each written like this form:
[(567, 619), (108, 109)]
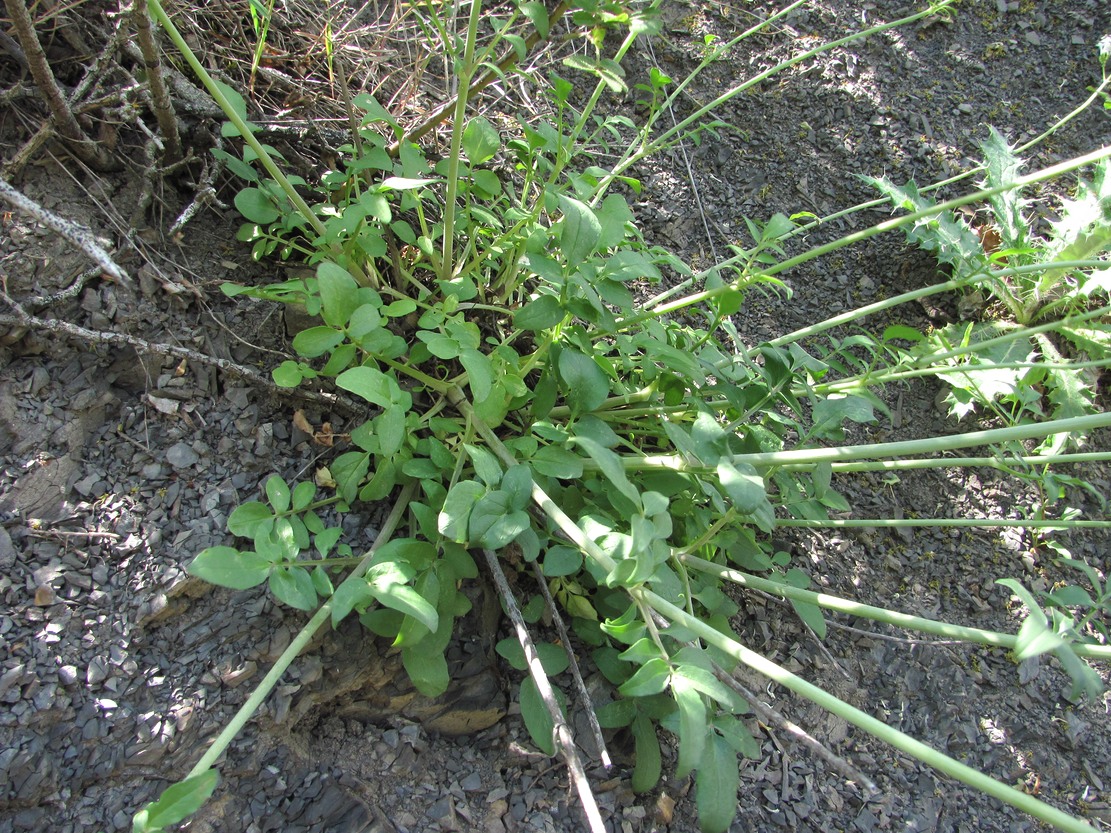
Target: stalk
[(841, 454), (247, 710), (1001, 463), (466, 70), (878, 614), (948, 523), (877, 728)]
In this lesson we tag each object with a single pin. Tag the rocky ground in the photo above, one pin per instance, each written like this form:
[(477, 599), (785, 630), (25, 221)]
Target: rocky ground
[(117, 466)]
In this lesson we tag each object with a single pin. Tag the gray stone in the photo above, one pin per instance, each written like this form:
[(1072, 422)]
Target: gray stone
[(181, 455)]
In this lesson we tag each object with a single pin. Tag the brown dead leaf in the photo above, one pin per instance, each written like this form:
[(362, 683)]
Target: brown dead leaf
[(301, 423)]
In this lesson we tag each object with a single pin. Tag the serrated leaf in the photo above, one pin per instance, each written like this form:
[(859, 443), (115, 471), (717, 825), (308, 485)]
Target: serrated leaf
[(228, 567)]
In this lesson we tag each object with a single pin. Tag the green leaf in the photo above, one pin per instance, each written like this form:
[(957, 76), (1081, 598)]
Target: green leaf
[(316, 341), (537, 14), (562, 561), (538, 720), (580, 230), (650, 678), (743, 484), (480, 140), (427, 669), (704, 681), (348, 596), (480, 372), (372, 385), (493, 523), (403, 598), (246, 518), (339, 293), (610, 465), (176, 803), (539, 314), (255, 205), (460, 501), (555, 461), (692, 725), (613, 215), (486, 465), (293, 586), (517, 485), (646, 773), (303, 493), (287, 374), (717, 782), (587, 385), (277, 492), (228, 567)]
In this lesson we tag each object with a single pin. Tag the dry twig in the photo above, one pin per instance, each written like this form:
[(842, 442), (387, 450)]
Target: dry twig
[(561, 732)]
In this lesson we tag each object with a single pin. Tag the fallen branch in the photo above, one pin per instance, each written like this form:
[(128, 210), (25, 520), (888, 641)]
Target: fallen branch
[(561, 732), (53, 325), (76, 234)]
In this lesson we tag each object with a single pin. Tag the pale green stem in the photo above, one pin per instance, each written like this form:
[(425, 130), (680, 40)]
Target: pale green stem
[(631, 156), (247, 710), (968, 370), (466, 70), (733, 648), (948, 523), (930, 445), (856, 237), (899, 300), (927, 754), (1018, 151), (1003, 463), (878, 614)]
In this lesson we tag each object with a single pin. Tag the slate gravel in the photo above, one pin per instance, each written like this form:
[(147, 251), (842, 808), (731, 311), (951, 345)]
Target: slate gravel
[(116, 669)]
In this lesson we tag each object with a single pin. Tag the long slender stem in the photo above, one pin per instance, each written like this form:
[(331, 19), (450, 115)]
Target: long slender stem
[(465, 74), (947, 523), (878, 614), (931, 445), (999, 462), (247, 710), (923, 752)]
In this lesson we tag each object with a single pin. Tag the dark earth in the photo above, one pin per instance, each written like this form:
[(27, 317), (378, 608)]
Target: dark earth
[(117, 466)]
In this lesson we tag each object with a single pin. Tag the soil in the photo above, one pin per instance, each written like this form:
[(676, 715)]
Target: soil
[(118, 465)]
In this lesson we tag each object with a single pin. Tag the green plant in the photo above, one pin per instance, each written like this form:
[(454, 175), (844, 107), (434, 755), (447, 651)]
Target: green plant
[(524, 401), (1056, 280)]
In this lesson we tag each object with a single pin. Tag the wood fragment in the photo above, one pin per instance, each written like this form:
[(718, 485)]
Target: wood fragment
[(561, 732)]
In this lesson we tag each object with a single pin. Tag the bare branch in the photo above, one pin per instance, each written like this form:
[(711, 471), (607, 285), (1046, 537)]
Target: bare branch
[(561, 732), (160, 97)]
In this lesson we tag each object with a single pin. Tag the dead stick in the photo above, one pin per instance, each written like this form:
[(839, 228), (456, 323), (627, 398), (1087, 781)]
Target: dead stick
[(76, 234), (591, 715), (561, 732), (53, 325)]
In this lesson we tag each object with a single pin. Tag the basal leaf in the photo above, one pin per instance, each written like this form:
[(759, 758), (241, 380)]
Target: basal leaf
[(646, 773), (255, 205), (480, 372), (403, 598), (176, 803), (368, 383), (692, 725), (348, 596), (339, 293), (293, 586), (587, 385), (538, 720), (717, 782), (228, 567), (580, 230)]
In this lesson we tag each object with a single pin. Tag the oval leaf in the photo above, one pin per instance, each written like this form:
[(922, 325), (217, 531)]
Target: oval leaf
[(228, 567)]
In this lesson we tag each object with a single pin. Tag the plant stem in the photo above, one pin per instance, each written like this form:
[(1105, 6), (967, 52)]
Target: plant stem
[(998, 462), (247, 710), (877, 728), (950, 523), (869, 451), (878, 614)]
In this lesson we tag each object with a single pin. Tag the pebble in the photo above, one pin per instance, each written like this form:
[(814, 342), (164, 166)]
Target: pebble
[(181, 455)]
